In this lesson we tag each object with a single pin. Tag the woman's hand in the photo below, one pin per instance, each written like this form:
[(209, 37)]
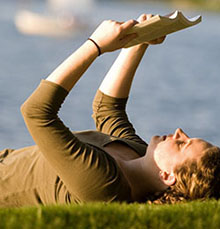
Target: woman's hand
[(111, 35), (157, 41)]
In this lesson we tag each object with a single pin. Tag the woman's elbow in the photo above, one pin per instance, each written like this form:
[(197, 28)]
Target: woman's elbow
[(25, 110)]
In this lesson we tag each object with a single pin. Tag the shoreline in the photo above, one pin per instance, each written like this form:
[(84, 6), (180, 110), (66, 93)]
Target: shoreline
[(211, 6)]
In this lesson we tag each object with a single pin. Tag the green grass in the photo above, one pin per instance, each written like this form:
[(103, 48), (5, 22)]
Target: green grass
[(101, 215)]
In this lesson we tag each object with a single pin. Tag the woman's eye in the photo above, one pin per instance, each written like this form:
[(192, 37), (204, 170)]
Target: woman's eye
[(180, 143)]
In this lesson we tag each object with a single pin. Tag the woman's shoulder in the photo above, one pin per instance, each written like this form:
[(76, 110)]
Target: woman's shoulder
[(100, 140)]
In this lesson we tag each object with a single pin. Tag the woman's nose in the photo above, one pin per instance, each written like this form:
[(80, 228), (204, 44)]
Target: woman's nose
[(179, 133)]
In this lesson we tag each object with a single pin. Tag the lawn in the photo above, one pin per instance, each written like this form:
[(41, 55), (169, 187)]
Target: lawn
[(101, 215)]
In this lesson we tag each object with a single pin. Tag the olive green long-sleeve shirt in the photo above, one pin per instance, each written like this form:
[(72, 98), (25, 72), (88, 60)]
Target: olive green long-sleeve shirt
[(65, 166)]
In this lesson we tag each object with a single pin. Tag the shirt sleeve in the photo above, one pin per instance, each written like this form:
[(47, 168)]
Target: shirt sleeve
[(90, 174), (110, 117)]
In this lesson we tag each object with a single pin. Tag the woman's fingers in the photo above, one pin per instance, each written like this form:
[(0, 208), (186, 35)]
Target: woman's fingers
[(157, 41), (128, 25), (149, 16), (144, 17), (161, 39), (112, 35)]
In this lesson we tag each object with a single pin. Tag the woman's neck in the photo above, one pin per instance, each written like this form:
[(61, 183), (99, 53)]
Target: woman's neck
[(141, 173), (142, 177)]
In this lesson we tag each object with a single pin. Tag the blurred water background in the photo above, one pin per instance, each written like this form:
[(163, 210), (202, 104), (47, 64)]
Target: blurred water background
[(177, 84)]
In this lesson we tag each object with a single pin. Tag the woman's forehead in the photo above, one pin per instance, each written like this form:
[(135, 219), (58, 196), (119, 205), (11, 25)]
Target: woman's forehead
[(201, 142), (197, 147)]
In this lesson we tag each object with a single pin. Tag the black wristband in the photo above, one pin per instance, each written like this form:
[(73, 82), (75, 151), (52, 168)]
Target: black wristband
[(99, 50)]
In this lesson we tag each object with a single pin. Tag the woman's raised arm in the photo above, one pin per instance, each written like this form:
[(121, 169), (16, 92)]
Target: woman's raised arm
[(117, 82), (74, 161), (110, 101), (109, 36)]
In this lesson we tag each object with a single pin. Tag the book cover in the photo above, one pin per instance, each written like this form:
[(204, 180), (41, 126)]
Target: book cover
[(159, 26)]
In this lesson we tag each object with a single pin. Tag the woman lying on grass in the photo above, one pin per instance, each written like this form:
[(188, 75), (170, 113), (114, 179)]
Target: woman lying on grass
[(112, 163)]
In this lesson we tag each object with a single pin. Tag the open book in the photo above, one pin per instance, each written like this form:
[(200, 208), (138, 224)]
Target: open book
[(159, 26)]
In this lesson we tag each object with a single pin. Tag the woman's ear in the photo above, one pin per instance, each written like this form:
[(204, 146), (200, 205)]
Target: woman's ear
[(167, 178)]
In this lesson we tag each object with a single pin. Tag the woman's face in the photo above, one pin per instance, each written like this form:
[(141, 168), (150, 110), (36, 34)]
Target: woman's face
[(172, 150)]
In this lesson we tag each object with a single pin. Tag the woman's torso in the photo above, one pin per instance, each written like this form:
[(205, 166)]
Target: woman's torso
[(26, 177)]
